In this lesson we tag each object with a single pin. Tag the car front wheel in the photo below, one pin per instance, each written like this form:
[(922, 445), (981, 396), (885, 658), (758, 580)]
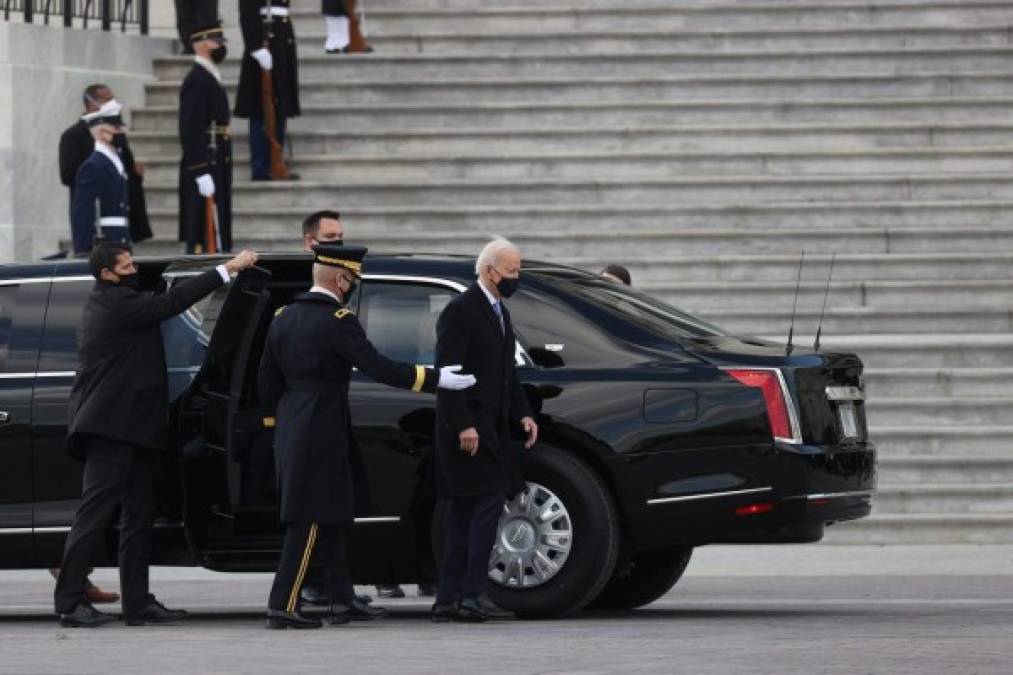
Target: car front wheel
[(558, 538), (644, 579)]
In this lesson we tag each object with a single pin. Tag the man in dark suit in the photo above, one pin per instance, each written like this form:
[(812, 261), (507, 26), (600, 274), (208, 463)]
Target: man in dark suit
[(268, 45), (205, 170), (99, 208), (77, 144), (117, 423), (477, 464), (305, 372)]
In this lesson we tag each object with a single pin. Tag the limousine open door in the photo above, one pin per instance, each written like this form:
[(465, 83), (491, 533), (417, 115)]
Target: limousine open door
[(227, 471)]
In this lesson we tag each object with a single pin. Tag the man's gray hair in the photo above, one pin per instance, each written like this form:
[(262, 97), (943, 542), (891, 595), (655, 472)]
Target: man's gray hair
[(492, 252)]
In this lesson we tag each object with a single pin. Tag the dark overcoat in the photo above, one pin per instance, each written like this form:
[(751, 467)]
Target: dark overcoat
[(120, 388), (305, 371), (100, 191), (333, 8), (468, 333), (284, 71), (203, 102), (77, 144)]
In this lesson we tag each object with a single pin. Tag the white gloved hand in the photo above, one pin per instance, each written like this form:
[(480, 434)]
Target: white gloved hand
[(449, 379), (264, 58), (206, 185)]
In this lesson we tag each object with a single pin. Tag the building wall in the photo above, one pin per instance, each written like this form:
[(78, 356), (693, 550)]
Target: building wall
[(42, 73)]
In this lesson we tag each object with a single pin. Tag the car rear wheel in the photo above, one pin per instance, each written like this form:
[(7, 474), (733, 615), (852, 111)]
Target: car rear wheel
[(557, 541), (647, 577)]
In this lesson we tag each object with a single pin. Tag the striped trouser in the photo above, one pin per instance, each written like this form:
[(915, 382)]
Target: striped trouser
[(302, 541)]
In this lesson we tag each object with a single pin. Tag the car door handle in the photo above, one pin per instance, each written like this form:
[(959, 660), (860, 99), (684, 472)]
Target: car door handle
[(4, 416)]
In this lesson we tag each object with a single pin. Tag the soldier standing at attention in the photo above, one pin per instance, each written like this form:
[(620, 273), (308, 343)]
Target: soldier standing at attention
[(205, 170), (268, 45), (311, 348)]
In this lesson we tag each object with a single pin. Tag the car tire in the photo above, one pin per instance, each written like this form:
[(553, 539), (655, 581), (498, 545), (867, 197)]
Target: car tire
[(595, 538), (647, 577)]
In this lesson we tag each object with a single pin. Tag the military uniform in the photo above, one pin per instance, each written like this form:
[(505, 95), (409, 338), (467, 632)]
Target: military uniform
[(270, 27), (207, 149), (310, 351)]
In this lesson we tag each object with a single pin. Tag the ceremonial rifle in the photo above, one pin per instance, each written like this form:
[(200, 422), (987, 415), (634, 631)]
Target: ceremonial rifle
[(212, 236), (356, 35), (278, 169)]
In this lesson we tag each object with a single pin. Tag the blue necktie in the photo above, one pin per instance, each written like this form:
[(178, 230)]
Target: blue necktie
[(498, 308)]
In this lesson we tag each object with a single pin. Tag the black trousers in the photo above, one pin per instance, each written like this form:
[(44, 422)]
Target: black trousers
[(118, 478), (260, 149), (469, 531), (302, 542)]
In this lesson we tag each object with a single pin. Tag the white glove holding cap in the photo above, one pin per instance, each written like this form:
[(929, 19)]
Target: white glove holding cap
[(264, 58)]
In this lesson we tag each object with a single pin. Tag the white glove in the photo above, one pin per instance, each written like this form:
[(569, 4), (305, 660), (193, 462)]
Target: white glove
[(263, 57), (449, 379), (206, 185)]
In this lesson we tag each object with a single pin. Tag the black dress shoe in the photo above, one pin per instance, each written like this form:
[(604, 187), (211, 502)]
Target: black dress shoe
[(85, 616), (278, 620), (334, 51), (155, 612), (469, 611), (427, 590), (443, 613), (492, 610), (356, 610)]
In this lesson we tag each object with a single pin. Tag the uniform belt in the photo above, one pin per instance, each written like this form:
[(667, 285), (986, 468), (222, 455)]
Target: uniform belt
[(109, 221), (220, 130), (275, 11)]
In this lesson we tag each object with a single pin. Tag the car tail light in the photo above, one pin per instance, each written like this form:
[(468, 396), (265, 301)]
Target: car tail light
[(783, 424), (755, 509)]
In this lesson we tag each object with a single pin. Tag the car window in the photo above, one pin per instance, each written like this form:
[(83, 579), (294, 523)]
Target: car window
[(63, 319), (400, 318), (186, 338), (8, 296)]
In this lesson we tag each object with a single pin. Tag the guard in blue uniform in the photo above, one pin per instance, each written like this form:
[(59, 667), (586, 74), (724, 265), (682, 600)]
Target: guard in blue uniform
[(310, 351), (99, 207)]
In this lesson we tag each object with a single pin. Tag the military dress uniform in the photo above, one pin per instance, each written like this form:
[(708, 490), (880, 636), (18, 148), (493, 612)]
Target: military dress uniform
[(207, 149), (311, 348), (100, 202), (267, 22)]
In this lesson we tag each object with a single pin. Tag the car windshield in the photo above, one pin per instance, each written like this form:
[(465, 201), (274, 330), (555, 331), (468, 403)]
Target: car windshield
[(635, 306)]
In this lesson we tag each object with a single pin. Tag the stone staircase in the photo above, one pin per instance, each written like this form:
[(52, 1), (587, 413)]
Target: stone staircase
[(704, 144)]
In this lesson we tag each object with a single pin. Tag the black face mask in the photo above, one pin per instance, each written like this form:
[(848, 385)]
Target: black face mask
[(351, 290), (130, 280), (507, 286), (218, 53)]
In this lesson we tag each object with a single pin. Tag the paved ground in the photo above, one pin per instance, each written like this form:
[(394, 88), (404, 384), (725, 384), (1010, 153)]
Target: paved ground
[(813, 609)]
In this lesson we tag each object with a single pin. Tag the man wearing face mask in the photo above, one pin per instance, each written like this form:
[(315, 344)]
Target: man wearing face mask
[(117, 424), (205, 169), (322, 227), (477, 464), (100, 186), (77, 144)]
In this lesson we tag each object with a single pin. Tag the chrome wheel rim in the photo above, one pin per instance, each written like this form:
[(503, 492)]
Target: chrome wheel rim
[(533, 541)]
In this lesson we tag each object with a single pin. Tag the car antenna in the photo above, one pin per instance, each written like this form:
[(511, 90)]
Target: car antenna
[(791, 327), (826, 294)]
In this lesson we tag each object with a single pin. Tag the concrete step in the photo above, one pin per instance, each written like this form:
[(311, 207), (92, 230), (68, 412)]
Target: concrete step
[(954, 411), (953, 382), (649, 190), (666, 137), (985, 498), (944, 470), (329, 68), (311, 40), (547, 243), (879, 294), (360, 90), (862, 320), (847, 267), (921, 351), (650, 16), (949, 528), (585, 115), (579, 165), (937, 440)]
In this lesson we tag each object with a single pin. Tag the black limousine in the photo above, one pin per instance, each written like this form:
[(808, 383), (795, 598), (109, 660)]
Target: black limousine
[(659, 432)]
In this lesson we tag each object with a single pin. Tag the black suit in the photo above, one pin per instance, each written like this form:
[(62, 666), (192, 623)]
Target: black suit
[(76, 145), (117, 421), (305, 372), (470, 333)]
